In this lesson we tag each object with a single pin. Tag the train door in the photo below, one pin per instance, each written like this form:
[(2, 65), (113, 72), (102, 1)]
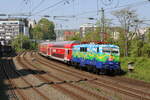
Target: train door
[(69, 54), (49, 51)]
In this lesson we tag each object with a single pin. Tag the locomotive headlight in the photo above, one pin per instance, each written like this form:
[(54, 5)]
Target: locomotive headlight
[(110, 58)]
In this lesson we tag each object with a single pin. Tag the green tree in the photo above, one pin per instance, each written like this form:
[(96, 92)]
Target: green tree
[(21, 42), (75, 37), (37, 32), (92, 36), (136, 47), (121, 39), (44, 30), (47, 28), (146, 46)]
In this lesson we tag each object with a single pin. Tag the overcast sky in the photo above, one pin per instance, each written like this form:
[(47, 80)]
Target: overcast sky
[(82, 9)]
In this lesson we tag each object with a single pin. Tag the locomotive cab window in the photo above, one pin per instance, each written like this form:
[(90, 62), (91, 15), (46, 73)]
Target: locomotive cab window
[(110, 50), (114, 51), (106, 51), (83, 49), (97, 49)]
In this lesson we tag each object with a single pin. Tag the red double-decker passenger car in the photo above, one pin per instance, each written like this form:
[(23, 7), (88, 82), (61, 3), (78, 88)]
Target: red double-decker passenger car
[(61, 50)]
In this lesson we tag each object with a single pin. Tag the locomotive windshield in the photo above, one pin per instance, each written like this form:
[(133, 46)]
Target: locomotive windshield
[(110, 50)]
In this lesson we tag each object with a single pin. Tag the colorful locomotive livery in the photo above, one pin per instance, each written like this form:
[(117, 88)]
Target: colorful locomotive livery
[(102, 57)]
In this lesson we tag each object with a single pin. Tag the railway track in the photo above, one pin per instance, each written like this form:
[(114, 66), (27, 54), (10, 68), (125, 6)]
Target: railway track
[(68, 81), (6, 73), (112, 84), (23, 95), (71, 93)]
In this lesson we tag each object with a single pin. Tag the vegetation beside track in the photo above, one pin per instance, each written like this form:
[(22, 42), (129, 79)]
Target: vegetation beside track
[(141, 68)]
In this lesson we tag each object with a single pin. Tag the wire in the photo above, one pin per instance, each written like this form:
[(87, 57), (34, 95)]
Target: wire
[(50, 6), (107, 2), (129, 5), (38, 5), (111, 9)]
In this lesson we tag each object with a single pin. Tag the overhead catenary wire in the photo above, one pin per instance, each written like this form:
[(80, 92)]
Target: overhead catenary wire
[(95, 11), (128, 5), (107, 2), (51, 6), (38, 5), (111, 9)]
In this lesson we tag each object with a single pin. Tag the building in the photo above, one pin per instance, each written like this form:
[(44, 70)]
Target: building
[(85, 28), (10, 28), (31, 23), (68, 34)]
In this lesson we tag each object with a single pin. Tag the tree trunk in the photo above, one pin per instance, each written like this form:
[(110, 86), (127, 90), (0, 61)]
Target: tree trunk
[(126, 39)]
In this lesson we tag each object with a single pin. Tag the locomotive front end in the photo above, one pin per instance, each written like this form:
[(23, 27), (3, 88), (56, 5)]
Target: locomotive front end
[(108, 59)]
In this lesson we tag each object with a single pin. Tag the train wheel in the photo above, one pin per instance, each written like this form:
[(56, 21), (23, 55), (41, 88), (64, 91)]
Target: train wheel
[(102, 71), (69, 63), (81, 68), (88, 68), (95, 70)]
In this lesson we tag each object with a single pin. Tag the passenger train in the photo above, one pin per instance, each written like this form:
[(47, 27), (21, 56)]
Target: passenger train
[(97, 56)]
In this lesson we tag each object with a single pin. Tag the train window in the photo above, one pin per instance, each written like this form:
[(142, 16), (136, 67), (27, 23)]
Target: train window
[(97, 49), (83, 49), (106, 51), (68, 51), (110, 50), (115, 52)]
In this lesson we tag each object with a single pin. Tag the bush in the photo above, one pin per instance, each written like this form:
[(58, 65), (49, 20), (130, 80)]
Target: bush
[(142, 67)]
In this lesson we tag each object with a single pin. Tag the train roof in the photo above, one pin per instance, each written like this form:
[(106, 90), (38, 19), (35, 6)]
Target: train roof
[(97, 45), (61, 43), (64, 42)]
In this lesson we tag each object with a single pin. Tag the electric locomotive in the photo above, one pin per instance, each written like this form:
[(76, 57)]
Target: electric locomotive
[(100, 58)]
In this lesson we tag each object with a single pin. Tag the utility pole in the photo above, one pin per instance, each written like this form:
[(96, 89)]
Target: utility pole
[(102, 24)]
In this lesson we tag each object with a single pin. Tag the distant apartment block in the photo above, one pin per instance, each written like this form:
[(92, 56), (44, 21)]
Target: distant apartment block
[(10, 28), (85, 28)]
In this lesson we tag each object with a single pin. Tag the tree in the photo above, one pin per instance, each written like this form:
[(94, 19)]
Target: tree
[(120, 40), (136, 47), (37, 33), (47, 28), (126, 18), (30, 32), (146, 47), (75, 37), (44, 30), (21, 42)]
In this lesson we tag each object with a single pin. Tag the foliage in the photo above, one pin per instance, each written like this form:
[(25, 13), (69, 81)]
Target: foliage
[(126, 18), (37, 32), (44, 30), (22, 42), (92, 36), (75, 37), (136, 48), (141, 65)]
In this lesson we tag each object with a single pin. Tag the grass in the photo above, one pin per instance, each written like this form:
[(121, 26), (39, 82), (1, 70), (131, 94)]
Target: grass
[(141, 68)]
